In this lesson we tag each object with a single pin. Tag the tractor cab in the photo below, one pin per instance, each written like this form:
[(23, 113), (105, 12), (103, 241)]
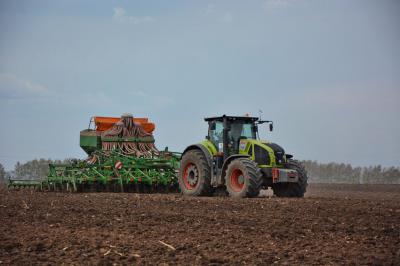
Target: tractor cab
[(226, 132)]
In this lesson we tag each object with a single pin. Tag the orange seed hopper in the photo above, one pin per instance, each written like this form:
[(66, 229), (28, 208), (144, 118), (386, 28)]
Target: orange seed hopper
[(103, 123)]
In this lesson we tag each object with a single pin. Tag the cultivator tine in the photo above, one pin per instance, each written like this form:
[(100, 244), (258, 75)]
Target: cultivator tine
[(74, 186), (24, 184), (121, 184)]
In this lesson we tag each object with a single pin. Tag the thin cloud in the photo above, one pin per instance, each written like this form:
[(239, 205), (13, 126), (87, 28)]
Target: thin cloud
[(271, 4), (13, 87), (121, 16), (210, 9), (160, 101), (163, 101), (95, 99), (138, 93), (364, 96), (218, 15), (227, 17)]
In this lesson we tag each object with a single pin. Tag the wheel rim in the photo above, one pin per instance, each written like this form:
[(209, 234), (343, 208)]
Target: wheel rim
[(190, 176), (237, 180)]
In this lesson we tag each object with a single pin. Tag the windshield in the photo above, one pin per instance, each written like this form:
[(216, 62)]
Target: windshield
[(241, 130), (246, 131)]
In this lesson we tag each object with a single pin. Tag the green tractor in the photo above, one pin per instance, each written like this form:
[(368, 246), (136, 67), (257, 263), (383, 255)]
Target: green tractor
[(233, 158)]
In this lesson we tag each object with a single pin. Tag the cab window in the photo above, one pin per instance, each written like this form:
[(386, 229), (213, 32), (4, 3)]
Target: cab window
[(217, 134), (246, 131)]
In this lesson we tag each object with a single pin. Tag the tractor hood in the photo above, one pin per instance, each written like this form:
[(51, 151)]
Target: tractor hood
[(264, 153), (279, 152)]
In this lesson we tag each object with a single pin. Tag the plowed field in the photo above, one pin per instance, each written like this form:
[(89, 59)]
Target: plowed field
[(333, 224)]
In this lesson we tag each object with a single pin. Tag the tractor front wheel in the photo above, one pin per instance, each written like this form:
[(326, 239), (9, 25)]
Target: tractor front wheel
[(292, 189), (194, 174), (243, 178)]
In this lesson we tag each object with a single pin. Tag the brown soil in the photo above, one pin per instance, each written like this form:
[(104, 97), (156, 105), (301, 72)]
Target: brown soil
[(333, 224)]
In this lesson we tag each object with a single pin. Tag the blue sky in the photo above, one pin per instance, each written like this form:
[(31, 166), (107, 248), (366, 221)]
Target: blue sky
[(327, 73)]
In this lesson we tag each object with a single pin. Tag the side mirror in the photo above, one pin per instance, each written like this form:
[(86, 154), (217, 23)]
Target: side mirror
[(271, 126), (212, 126)]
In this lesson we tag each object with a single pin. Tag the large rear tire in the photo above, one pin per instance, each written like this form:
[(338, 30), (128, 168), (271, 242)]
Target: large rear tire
[(292, 189), (195, 174), (243, 178)]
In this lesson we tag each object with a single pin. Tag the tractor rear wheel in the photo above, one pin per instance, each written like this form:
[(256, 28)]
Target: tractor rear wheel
[(243, 178), (195, 174), (292, 189)]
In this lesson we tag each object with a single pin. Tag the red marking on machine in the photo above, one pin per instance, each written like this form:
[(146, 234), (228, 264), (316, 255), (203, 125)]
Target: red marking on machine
[(118, 165), (275, 175)]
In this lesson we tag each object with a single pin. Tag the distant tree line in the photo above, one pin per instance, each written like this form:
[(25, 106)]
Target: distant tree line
[(345, 173), (317, 172), (34, 169)]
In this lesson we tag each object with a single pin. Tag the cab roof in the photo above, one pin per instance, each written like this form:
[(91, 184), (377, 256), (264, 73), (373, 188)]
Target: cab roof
[(231, 118)]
